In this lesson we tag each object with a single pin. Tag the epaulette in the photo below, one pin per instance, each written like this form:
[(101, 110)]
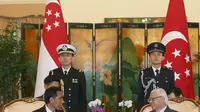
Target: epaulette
[(167, 68), (144, 68), (52, 71), (79, 70)]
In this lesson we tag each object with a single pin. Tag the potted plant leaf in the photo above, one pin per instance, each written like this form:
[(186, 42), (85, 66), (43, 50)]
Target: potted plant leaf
[(14, 63)]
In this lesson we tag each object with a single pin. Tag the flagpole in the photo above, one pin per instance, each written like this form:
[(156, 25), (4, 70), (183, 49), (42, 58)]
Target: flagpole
[(119, 65), (145, 42), (39, 37), (199, 71), (94, 63)]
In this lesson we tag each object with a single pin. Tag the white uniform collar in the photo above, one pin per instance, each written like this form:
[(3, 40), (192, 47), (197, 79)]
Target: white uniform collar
[(65, 70)]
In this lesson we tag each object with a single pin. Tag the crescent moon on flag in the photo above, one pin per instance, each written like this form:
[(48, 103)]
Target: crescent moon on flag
[(53, 1), (172, 36)]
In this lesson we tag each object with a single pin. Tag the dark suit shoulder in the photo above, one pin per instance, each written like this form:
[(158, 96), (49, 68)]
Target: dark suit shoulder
[(170, 110)]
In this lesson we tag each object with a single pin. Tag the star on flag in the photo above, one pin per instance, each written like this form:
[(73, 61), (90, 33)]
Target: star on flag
[(169, 64), (57, 14), (176, 53), (48, 27), (176, 76), (56, 24), (187, 72), (49, 12), (187, 58)]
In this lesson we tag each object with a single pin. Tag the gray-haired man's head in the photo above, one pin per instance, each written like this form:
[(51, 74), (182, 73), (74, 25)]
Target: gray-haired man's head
[(158, 99)]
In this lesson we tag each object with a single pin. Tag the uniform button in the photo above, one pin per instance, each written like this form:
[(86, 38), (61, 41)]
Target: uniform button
[(157, 81), (166, 81), (69, 89), (69, 94), (69, 107), (69, 100)]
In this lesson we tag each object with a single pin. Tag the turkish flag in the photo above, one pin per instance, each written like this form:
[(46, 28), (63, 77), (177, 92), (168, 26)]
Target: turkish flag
[(54, 34), (177, 56)]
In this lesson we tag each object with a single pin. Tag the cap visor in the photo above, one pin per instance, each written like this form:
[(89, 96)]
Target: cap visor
[(69, 52), (155, 50)]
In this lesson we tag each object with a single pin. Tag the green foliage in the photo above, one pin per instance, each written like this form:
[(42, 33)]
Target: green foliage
[(14, 62)]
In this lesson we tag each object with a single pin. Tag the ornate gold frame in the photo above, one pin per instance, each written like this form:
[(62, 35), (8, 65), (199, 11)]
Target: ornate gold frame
[(27, 100)]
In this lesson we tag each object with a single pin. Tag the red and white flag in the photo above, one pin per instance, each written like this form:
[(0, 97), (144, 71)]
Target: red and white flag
[(54, 34), (177, 56)]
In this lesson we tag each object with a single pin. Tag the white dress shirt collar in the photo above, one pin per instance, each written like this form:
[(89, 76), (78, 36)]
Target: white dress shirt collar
[(65, 70), (163, 110), (47, 109), (154, 70)]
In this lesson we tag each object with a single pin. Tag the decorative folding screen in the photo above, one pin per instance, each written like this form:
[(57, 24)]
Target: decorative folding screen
[(111, 54)]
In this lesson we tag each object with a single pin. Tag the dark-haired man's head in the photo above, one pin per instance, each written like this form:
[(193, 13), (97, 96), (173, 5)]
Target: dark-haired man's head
[(66, 54), (53, 98), (51, 81), (156, 51), (178, 92)]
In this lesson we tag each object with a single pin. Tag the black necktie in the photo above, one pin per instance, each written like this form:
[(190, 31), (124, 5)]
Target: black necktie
[(157, 72), (65, 72)]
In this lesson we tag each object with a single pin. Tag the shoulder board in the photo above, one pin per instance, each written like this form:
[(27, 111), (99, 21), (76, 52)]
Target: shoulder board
[(52, 71), (143, 69), (79, 70), (166, 68)]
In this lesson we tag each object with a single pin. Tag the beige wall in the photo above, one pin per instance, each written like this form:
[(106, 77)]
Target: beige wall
[(97, 10), (21, 1), (21, 10)]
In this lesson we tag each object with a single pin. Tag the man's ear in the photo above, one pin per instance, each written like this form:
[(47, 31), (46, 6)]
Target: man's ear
[(163, 57), (45, 86), (51, 100), (59, 58), (73, 57)]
